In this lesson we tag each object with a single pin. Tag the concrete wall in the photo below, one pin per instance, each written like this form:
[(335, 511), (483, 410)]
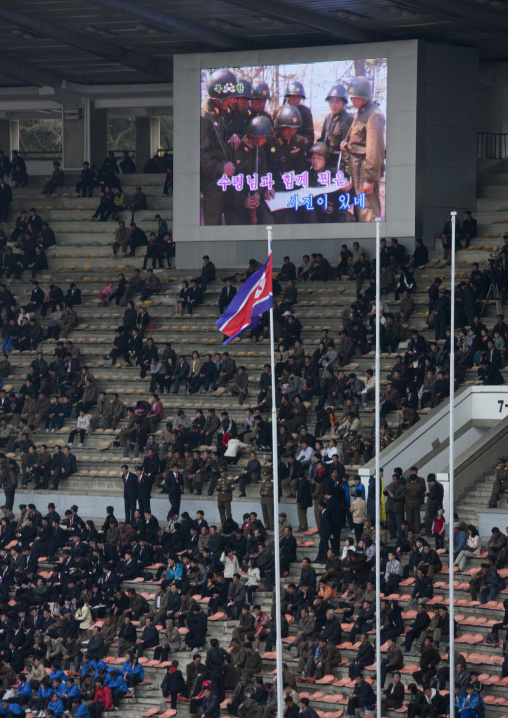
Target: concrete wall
[(235, 245), (73, 144), (492, 98), (447, 149), (477, 408)]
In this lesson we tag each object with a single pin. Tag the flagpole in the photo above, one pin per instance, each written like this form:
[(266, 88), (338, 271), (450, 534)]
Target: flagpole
[(377, 450), (275, 463), (451, 474)]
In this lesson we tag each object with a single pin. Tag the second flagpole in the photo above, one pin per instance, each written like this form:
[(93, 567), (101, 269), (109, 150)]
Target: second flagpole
[(276, 536)]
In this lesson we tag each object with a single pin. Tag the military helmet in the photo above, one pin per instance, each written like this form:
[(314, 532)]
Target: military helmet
[(259, 127), (243, 89), (337, 91), (320, 148), (222, 84), (360, 87), (289, 117), (261, 91), (295, 88)]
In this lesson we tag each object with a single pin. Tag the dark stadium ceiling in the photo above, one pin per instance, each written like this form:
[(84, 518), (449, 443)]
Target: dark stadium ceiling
[(116, 42)]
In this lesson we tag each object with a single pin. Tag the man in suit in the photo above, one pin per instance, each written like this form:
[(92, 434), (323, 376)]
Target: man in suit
[(251, 473), (73, 296), (226, 296), (143, 488), (130, 493), (180, 373), (216, 658), (174, 483), (324, 533)]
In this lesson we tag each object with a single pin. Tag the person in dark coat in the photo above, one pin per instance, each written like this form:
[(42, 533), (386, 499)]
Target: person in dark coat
[(365, 656), (173, 485), (174, 684), (196, 623), (143, 489), (216, 658), (149, 637), (393, 696), (363, 696), (130, 493), (324, 533), (429, 659), (226, 296), (211, 703)]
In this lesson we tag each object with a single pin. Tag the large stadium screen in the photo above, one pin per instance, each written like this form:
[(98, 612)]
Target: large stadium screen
[(293, 143)]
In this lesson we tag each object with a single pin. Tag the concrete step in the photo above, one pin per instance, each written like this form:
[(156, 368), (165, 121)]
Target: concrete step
[(492, 192)]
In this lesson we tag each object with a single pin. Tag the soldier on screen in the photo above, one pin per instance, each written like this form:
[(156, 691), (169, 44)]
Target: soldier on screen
[(287, 153), (215, 151), (365, 149), (260, 96), (336, 127), (239, 114), (295, 93), (250, 166), (326, 206)]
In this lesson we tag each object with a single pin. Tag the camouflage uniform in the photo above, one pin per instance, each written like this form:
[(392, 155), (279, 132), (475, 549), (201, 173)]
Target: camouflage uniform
[(225, 487), (335, 129), (365, 157), (500, 482), (354, 446)]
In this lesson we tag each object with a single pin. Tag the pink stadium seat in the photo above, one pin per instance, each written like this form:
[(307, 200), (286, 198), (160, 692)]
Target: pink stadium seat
[(326, 680)]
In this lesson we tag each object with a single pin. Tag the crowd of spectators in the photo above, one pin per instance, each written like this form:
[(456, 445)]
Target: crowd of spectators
[(229, 563)]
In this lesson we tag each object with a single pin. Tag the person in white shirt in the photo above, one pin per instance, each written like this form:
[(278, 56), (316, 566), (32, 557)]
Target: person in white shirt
[(306, 454), (331, 450), (370, 387), (82, 428), (234, 449), (231, 565), (253, 580)]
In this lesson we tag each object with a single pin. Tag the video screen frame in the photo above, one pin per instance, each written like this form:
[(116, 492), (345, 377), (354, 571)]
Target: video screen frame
[(293, 143)]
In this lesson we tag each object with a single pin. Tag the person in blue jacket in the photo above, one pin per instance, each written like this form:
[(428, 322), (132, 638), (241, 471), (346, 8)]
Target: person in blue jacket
[(81, 710), (55, 706), (56, 672), (472, 705), (345, 487), (11, 710), (44, 694), (69, 694), (118, 687), (133, 672), (25, 693), (58, 686), (359, 487)]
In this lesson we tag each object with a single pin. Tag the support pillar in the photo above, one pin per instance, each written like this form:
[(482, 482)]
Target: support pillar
[(14, 132), (98, 134), (73, 143), (5, 137), (148, 135)]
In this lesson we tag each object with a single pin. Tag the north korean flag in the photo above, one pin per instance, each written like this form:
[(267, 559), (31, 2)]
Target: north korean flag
[(252, 299)]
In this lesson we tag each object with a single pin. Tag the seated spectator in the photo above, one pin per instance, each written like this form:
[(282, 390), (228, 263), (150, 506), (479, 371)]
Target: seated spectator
[(137, 203), (106, 206), (57, 179), (363, 696)]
